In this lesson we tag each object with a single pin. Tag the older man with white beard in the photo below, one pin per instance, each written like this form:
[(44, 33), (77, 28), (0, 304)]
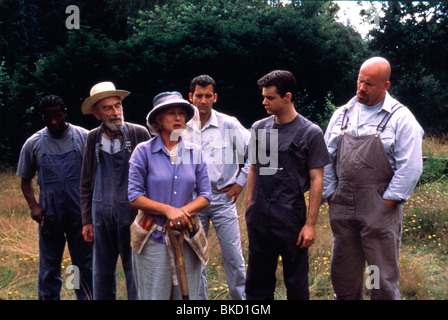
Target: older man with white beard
[(106, 213)]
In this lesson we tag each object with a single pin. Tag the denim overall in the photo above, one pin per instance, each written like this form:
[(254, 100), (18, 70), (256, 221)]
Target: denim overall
[(59, 179), (112, 216), (364, 227)]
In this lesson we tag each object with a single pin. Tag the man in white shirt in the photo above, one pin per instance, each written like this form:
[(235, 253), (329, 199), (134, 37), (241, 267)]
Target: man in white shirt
[(224, 142), (376, 148)]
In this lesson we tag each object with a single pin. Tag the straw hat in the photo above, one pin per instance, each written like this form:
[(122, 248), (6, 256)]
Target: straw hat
[(101, 91)]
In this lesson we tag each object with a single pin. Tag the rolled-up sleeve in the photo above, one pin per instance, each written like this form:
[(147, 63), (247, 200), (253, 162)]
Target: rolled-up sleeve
[(332, 136), (242, 136), (137, 174), (408, 157), (203, 187)]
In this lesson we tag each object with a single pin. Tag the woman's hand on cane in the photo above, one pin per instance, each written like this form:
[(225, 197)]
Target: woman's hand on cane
[(178, 218)]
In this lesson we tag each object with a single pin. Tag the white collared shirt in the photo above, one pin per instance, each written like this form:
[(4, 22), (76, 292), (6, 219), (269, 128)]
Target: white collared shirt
[(224, 143)]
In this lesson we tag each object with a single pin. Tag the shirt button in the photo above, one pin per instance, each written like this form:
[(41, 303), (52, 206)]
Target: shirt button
[(175, 177), (175, 192)]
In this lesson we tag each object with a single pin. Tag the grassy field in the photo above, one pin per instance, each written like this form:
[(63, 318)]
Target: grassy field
[(423, 260)]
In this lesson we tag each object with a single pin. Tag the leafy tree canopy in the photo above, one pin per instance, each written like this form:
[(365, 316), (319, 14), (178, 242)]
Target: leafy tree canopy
[(149, 46), (413, 36)]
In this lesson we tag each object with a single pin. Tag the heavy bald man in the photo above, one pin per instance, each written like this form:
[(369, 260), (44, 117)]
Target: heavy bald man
[(373, 81), (376, 148)]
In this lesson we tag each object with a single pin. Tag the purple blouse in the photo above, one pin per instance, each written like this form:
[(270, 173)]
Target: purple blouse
[(153, 174)]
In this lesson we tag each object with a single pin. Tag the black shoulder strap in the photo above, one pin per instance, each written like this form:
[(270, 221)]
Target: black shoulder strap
[(128, 144), (300, 132), (344, 120), (387, 117), (253, 148), (260, 126)]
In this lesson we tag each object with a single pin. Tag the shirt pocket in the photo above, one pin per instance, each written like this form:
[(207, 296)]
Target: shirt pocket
[(219, 151), (388, 140), (387, 137)]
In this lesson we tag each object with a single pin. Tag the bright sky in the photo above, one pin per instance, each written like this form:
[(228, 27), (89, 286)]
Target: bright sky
[(349, 14)]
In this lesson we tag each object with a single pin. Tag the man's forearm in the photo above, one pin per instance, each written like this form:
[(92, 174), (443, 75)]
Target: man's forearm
[(315, 195), (250, 184), (28, 193), (330, 181)]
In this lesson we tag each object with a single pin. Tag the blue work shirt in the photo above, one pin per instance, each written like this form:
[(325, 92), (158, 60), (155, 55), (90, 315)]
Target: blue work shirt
[(153, 174), (224, 143), (401, 138)]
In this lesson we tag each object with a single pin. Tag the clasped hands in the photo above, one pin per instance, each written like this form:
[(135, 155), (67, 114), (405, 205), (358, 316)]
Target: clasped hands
[(177, 217)]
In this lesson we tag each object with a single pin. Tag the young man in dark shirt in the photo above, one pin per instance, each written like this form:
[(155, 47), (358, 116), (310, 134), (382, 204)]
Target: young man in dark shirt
[(277, 220)]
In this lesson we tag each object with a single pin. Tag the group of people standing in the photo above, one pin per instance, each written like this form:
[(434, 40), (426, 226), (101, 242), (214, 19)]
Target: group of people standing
[(195, 161)]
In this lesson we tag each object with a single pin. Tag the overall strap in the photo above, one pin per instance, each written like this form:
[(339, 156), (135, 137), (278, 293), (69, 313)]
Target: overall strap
[(98, 147), (345, 119), (298, 135), (42, 142), (128, 144), (261, 126), (75, 144), (387, 117)]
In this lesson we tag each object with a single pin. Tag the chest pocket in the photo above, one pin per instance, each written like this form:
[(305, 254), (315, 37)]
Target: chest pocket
[(386, 133), (387, 137), (218, 149)]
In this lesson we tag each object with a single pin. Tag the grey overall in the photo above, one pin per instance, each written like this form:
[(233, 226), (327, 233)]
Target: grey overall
[(364, 227)]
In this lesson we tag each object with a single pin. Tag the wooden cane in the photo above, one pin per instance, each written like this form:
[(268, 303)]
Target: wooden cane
[(180, 260)]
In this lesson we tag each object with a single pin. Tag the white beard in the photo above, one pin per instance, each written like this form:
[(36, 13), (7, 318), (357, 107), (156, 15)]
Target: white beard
[(115, 127)]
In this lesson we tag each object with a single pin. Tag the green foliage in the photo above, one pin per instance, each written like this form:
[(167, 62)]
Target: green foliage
[(321, 116), (412, 36), (4, 82), (435, 168), (237, 43), (164, 44), (149, 46)]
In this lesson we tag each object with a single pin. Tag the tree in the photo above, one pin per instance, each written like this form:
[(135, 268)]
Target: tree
[(414, 38), (237, 43), (165, 46), (32, 35)]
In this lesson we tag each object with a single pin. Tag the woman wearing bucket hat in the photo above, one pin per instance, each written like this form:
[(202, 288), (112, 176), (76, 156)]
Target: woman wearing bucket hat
[(169, 182)]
